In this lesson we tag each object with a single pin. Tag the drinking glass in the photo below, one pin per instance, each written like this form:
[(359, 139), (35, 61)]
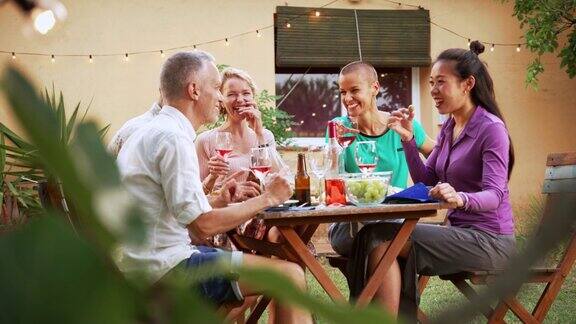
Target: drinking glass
[(224, 144), (320, 162), (260, 162), (346, 137), (366, 158)]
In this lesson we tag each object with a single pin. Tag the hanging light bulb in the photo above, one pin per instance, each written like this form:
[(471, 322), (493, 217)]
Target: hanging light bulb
[(90, 59), (45, 14), (258, 33), (126, 59), (13, 55), (492, 48), (162, 53), (317, 13), (43, 20), (288, 25), (468, 42), (226, 42), (52, 58), (518, 48)]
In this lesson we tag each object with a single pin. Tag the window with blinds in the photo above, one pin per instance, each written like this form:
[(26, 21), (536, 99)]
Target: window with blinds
[(388, 38)]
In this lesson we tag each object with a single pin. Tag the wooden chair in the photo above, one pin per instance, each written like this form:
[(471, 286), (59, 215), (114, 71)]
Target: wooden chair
[(559, 184)]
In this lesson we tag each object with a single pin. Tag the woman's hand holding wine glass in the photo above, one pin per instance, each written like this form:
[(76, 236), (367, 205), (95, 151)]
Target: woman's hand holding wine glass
[(346, 134)]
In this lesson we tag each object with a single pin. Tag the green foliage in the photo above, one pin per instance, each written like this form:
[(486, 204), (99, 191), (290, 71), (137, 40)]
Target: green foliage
[(21, 163), (274, 119), (545, 21)]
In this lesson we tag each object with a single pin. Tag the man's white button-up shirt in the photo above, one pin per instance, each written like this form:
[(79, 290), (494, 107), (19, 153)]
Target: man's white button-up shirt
[(159, 166)]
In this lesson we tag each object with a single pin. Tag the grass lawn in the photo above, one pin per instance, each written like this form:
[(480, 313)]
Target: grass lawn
[(440, 295)]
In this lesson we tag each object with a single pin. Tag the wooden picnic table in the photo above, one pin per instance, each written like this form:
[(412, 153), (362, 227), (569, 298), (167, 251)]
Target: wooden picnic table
[(297, 228)]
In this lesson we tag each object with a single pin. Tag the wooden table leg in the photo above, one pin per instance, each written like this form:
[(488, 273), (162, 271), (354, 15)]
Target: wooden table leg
[(300, 249), (258, 310), (384, 264)]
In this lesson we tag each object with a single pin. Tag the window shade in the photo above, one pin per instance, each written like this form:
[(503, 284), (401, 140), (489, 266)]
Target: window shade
[(389, 38)]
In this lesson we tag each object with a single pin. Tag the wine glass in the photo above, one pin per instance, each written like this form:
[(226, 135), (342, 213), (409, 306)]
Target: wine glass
[(365, 155), (260, 162), (320, 162), (224, 144), (345, 135)]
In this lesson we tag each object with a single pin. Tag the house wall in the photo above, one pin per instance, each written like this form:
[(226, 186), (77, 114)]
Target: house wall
[(539, 122)]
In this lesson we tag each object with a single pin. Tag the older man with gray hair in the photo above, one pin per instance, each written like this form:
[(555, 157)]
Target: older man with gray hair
[(159, 166)]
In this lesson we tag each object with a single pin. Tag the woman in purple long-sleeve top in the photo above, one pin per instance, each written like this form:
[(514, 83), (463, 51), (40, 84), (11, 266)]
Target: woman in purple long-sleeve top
[(470, 166)]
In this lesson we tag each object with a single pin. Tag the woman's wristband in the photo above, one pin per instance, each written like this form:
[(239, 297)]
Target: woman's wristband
[(265, 145)]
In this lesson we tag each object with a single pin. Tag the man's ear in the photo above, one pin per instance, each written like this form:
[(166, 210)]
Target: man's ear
[(192, 91)]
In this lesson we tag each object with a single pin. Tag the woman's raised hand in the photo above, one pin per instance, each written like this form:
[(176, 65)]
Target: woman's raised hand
[(400, 121), (253, 116)]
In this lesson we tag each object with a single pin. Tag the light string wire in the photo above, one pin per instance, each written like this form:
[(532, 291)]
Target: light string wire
[(257, 31)]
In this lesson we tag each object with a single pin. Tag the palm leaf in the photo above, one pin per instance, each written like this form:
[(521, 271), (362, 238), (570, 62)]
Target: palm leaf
[(13, 137), (61, 113), (12, 188), (16, 150), (103, 131), (86, 111), (72, 122), (47, 97)]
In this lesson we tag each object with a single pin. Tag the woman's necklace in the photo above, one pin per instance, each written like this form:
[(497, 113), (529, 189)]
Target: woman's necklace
[(456, 133)]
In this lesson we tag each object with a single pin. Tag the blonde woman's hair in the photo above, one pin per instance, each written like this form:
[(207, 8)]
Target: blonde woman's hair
[(230, 72)]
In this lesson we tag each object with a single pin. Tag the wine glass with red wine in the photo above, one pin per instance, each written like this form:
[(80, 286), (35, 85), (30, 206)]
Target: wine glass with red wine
[(260, 162), (224, 144), (366, 158)]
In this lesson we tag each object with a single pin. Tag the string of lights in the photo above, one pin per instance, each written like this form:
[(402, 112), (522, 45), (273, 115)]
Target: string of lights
[(317, 12)]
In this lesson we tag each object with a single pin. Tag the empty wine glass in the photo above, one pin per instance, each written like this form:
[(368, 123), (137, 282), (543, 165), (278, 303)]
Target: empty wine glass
[(366, 158), (224, 144), (320, 162)]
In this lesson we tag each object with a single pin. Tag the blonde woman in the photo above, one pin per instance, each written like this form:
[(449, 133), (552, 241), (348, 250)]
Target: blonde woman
[(243, 121)]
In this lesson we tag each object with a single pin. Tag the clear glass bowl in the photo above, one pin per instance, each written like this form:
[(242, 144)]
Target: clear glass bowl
[(366, 190)]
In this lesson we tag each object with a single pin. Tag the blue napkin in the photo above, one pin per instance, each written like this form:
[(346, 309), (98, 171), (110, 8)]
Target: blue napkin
[(418, 193)]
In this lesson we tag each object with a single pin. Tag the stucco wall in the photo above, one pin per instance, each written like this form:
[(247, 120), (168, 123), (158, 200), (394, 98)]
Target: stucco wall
[(539, 122)]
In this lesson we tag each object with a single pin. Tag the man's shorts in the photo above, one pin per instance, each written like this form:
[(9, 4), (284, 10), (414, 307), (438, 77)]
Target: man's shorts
[(219, 290)]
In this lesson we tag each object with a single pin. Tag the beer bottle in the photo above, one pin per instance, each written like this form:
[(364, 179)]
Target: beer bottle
[(302, 181)]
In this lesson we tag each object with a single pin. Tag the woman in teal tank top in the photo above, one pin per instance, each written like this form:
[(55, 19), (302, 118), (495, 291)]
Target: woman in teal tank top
[(358, 82)]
